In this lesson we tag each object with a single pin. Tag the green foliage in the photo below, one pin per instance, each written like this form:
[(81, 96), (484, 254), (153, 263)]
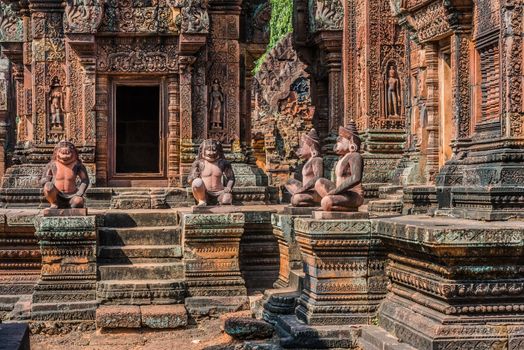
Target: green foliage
[(281, 23)]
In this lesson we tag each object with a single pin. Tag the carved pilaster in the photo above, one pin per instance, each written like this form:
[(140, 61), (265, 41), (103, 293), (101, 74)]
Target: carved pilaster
[(432, 110), (186, 113), (513, 58), (102, 121), (173, 138), (460, 81)]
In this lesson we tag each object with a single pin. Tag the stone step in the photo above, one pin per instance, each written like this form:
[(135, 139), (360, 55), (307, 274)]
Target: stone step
[(157, 218), (167, 235), (142, 292), (140, 271), (139, 251), (151, 316), (376, 338)]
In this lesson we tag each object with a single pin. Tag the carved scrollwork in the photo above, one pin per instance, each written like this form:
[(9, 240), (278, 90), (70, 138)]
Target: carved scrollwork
[(10, 23), (83, 16), (193, 17)]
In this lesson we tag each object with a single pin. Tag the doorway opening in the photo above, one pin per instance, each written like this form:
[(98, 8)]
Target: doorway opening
[(137, 130)]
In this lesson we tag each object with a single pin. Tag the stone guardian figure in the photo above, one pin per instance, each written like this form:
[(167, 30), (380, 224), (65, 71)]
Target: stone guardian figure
[(346, 193), (207, 175), (303, 193), (60, 176)]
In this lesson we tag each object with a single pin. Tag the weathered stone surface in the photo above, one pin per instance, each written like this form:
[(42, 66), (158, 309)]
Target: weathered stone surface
[(163, 316), (211, 306), (243, 313), (289, 251), (455, 279), (339, 215), (65, 212), (295, 334), (248, 328), (121, 316), (14, 336)]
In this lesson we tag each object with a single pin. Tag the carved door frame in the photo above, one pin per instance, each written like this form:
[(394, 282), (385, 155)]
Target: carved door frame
[(138, 179)]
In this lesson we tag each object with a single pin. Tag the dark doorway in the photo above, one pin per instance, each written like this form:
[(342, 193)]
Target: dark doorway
[(137, 129)]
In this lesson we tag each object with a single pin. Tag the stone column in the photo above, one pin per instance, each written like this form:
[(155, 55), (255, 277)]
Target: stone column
[(66, 290)]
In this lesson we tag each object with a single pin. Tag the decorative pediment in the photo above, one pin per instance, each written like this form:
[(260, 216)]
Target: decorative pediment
[(139, 16), (432, 20), (193, 17), (326, 15), (83, 16), (11, 29)]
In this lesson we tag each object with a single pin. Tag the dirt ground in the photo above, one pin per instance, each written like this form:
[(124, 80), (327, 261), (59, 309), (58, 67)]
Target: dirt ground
[(205, 336)]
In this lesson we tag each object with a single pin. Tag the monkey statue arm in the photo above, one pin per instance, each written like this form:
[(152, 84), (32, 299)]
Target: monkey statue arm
[(194, 173), (47, 176), (230, 176), (84, 180)]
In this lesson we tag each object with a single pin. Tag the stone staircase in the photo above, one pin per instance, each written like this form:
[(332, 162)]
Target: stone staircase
[(376, 338), (140, 258), (139, 264), (390, 201)]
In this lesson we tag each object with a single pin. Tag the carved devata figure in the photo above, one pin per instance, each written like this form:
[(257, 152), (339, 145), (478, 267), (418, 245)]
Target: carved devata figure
[(207, 174), (56, 105), (393, 96), (216, 103), (59, 178), (346, 193), (303, 193)]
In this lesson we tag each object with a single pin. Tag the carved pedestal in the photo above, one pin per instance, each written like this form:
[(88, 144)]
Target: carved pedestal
[(212, 244), (66, 290), (344, 265), (290, 259), (455, 284), (20, 263)]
